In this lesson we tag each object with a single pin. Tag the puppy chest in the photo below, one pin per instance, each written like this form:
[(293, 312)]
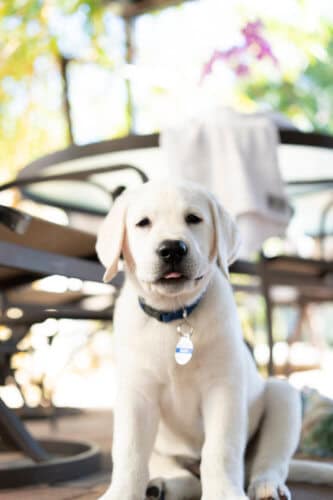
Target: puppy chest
[(180, 403)]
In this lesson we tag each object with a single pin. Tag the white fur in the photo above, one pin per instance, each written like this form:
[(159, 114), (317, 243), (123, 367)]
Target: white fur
[(208, 409)]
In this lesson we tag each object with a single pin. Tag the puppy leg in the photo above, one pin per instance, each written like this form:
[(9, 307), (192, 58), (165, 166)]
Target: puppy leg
[(277, 441), (171, 481), (135, 426), (225, 426)]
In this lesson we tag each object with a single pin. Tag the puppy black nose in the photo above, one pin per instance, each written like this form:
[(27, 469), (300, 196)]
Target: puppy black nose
[(172, 251)]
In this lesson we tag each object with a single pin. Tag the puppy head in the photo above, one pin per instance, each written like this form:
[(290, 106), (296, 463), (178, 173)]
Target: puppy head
[(171, 236)]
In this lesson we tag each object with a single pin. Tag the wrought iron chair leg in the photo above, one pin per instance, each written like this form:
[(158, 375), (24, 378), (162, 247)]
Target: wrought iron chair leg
[(53, 460), (13, 431)]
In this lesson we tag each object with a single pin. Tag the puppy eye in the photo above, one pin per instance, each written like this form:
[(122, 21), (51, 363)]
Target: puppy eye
[(143, 222), (192, 219)]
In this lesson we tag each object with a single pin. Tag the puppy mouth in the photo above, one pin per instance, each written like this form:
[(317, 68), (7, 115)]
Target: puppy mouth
[(175, 277), (172, 278)]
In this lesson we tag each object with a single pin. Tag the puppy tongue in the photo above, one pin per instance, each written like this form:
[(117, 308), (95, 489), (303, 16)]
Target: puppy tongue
[(172, 275)]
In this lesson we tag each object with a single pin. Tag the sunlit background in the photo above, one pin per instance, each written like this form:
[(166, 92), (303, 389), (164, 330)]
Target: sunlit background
[(75, 71), (52, 51)]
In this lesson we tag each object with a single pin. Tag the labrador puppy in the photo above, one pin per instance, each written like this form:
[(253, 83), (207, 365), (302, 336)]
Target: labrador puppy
[(189, 392)]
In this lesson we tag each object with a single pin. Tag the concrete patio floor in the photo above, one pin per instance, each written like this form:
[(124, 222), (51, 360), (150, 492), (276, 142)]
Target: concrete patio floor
[(97, 427)]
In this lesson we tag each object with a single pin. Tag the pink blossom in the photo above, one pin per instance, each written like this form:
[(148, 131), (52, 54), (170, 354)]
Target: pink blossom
[(235, 56), (252, 30), (242, 69)]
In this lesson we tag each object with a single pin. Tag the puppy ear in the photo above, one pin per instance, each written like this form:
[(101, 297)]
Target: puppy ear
[(227, 237), (110, 237)]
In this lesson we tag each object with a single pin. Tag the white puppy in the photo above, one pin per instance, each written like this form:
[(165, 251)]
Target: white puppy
[(177, 244)]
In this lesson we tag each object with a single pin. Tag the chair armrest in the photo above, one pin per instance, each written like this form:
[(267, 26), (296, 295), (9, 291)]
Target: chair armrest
[(14, 219)]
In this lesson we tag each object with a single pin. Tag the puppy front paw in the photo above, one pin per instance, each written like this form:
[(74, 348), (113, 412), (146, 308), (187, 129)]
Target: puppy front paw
[(267, 489)]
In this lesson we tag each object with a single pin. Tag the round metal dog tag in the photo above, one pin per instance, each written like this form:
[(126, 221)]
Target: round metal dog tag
[(184, 350)]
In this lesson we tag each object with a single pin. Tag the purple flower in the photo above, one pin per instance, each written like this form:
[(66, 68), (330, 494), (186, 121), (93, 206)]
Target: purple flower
[(232, 52), (264, 50), (252, 30), (242, 69), (253, 41), (254, 38)]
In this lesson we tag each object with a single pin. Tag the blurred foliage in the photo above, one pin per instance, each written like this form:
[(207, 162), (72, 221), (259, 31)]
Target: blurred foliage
[(317, 431), (302, 91), (36, 34), (32, 118), (319, 442)]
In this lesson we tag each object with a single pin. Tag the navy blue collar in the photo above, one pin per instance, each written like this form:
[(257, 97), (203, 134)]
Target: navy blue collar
[(168, 316)]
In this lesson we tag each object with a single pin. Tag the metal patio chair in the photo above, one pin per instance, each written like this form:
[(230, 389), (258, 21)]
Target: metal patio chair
[(31, 248)]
